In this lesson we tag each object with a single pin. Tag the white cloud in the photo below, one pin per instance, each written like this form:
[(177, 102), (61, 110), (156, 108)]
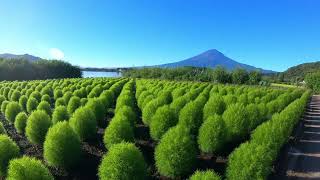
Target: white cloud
[(56, 53)]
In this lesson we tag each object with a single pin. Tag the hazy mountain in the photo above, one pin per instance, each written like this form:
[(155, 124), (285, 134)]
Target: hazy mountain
[(23, 56), (213, 58)]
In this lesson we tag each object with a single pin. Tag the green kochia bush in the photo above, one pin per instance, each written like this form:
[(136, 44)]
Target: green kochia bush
[(45, 106), (205, 175), (8, 151), (176, 153), (15, 96), (74, 103), (32, 104), (60, 102), (60, 113), (98, 109), (12, 110), (83, 122), (38, 124), (123, 161), (4, 106), (2, 129), (28, 168), (215, 105), (21, 122), (2, 98), (128, 113), (235, 118), (163, 119), (46, 97), (118, 130), (62, 146), (212, 135), (23, 102)]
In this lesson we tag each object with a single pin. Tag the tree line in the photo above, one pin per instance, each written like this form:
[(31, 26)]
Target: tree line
[(21, 69), (218, 74)]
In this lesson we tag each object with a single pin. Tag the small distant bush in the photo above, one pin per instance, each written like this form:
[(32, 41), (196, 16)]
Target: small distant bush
[(83, 122), (215, 105), (191, 116), (150, 109), (162, 121), (123, 161), (4, 106), (45, 106), (107, 98), (212, 135), (253, 116), (118, 130), (15, 96), (176, 153), (57, 94), (47, 98), (23, 102), (98, 109), (60, 113), (2, 129), (230, 99), (83, 101), (66, 97), (36, 95), (74, 103), (38, 124), (60, 102), (28, 168), (205, 175), (32, 104), (2, 98), (12, 110), (62, 146), (8, 151), (21, 122)]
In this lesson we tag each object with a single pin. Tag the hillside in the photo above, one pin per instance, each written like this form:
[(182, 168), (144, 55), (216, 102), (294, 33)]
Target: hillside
[(299, 71), (23, 56), (213, 58)]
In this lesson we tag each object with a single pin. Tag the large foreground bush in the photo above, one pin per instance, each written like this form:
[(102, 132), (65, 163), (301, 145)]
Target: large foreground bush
[(123, 161), (27, 168), (62, 146), (97, 107), (38, 124), (205, 175), (8, 151)]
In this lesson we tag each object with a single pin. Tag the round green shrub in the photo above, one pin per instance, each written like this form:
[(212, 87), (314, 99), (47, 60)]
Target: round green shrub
[(215, 105), (47, 98), (107, 98), (176, 153), (45, 106), (191, 116), (83, 101), (67, 97), (235, 118), (60, 113), (128, 112), (8, 151), (212, 135), (36, 95), (98, 109), (253, 116), (4, 106), (57, 94), (32, 104), (205, 175), (60, 102), (62, 146), (21, 122), (123, 161), (118, 130), (162, 121), (15, 96), (83, 122), (26, 168), (23, 102), (37, 126), (12, 110), (74, 103), (2, 129), (2, 98)]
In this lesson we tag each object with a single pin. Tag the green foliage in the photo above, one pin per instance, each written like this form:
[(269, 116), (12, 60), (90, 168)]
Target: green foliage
[(21, 122), (215, 105), (123, 161), (128, 113), (60, 102), (4, 106), (240, 76), (212, 135), (62, 146), (46, 97), (66, 97), (28, 168), (98, 109), (205, 175), (74, 103), (36, 95), (2, 129), (83, 122), (38, 124), (45, 106), (176, 153), (23, 102), (313, 81), (32, 105), (57, 94), (15, 96), (60, 113), (163, 119), (8, 151), (119, 130), (255, 77), (220, 75), (83, 101), (254, 117), (12, 110)]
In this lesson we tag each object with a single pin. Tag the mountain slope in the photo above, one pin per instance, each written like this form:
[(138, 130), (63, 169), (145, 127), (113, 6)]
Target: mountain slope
[(23, 56), (299, 71), (213, 58)]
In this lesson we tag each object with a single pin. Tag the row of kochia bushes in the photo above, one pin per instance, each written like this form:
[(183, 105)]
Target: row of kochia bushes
[(58, 126)]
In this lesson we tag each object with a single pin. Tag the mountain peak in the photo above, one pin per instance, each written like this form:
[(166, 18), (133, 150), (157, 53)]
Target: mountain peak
[(23, 56)]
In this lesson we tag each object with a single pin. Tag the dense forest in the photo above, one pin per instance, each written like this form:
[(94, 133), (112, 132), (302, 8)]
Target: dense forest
[(219, 74), (20, 69)]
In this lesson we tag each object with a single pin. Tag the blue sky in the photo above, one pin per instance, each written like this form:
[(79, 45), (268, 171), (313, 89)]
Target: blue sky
[(272, 34)]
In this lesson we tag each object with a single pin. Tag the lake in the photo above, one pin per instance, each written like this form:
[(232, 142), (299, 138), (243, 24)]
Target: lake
[(87, 74)]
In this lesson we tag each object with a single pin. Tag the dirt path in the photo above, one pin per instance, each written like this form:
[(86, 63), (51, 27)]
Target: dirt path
[(300, 158)]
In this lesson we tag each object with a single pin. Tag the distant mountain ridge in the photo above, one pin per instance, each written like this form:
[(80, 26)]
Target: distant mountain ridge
[(299, 71), (28, 57), (213, 58)]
